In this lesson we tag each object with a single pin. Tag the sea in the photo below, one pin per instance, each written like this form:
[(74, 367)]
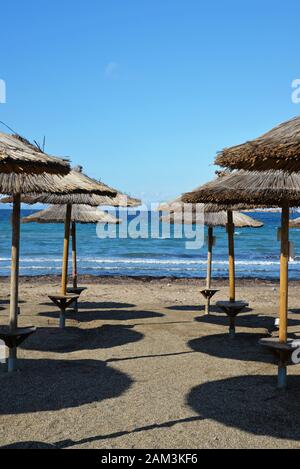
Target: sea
[(257, 251)]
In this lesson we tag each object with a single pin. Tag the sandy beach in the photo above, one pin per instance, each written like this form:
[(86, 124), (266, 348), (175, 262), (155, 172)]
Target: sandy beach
[(141, 367)]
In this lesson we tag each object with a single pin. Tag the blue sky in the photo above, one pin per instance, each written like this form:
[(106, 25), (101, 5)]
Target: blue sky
[(143, 93)]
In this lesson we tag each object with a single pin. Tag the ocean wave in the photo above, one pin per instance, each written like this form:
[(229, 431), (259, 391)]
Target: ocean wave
[(149, 261), (179, 261)]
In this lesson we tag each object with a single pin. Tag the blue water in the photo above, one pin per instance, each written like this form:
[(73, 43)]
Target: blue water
[(257, 252)]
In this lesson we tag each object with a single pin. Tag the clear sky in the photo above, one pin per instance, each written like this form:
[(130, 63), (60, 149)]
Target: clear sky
[(143, 93)]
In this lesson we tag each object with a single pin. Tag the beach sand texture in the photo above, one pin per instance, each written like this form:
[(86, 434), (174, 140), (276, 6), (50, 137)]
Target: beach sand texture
[(140, 367)]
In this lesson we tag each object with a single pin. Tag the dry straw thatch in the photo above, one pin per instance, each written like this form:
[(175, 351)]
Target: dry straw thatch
[(25, 168), (267, 188), (87, 199), (18, 155), (79, 184), (178, 205), (74, 187), (278, 149), (80, 214), (213, 219)]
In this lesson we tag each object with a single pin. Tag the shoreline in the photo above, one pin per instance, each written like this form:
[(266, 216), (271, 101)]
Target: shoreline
[(120, 279)]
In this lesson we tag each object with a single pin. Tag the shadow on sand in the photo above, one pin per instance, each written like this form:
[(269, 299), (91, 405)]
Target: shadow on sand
[(109, 315), (69, 443), (29, 445), (72, 339), (254, 321), (251, 404), (50, 385), (242, 320), (243, 347), (98, 304), (186, 308)]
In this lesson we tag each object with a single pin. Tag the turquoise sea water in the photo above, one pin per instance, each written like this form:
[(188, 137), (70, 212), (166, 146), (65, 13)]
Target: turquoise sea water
[(257, 252)]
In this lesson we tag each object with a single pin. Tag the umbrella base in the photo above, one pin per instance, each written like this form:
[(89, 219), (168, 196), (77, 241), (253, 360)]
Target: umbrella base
[(232, 309), (63, 302), (12, 339), (283, 351), (208, 293), (76, 291)]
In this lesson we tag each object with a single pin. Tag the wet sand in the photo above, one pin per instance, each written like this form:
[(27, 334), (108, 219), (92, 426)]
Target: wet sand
[(140, 366)]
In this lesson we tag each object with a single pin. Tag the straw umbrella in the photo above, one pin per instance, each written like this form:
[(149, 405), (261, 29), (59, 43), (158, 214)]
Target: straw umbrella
[(213, 219), (83, 214), (278, 149), (24, 168), (270, 188)]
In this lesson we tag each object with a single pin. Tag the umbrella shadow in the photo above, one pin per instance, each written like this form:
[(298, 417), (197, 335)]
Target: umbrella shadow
[(51, 385), (213, 308), (72, 339), (96, 305), (105, 305), (29, 445), (294, 310), (90, 439), (6, 301), (254, 321), (244, 347), (108, 315), (186, 308), (251, 404)]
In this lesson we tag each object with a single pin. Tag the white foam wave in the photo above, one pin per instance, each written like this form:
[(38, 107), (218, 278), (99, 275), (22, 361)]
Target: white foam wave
[(148, 261)]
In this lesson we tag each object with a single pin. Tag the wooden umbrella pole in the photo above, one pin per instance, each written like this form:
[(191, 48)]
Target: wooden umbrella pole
[(64, 277), (230, 232), (15, 253), (284, 265), (14, 278), (74, 256), (209, 256)]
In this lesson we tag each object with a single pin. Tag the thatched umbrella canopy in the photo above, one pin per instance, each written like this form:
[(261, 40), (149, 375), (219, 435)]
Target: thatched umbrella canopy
[(82, 214), (214, 219), (267, 188), (271, 188), (278, 149), (118, 199), (19, 158), (23, 168), (122, 200), (179, 205)]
